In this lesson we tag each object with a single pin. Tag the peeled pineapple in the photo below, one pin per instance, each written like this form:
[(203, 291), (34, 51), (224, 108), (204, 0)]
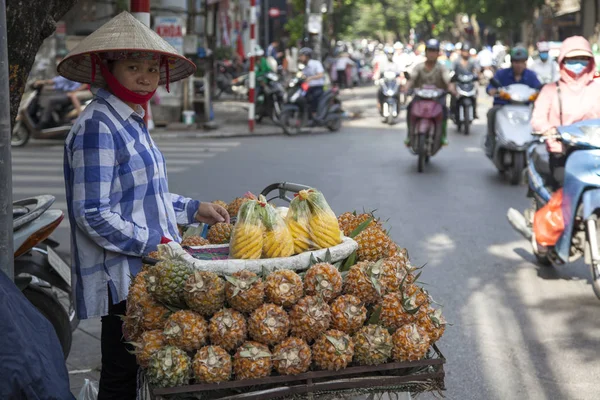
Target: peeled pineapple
[(348, 314), (410, 342), (227, 329), (220, 233), (333, 350), (150, 342), (269, 324), (292, 356), (372, 345), (323, 279), (309, 318), (284, 288), (187, 330), (297, 220), (204, 292), (244, 291), (169, 367), (247, 236), (212, 364), (252, 361)]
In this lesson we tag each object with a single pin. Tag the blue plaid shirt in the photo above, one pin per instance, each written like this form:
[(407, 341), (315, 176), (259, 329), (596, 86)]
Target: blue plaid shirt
[(118, 201)]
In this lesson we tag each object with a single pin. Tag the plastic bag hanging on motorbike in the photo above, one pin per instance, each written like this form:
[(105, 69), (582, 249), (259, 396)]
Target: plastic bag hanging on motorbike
[(548, 223), (247, 236), (278, 240)]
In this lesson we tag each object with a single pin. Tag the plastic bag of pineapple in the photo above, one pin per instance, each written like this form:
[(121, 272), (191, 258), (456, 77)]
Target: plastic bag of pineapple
[(278, 240), (312, 222)]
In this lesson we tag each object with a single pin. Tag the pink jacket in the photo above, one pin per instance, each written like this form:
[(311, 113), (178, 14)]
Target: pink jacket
[(580, 96)]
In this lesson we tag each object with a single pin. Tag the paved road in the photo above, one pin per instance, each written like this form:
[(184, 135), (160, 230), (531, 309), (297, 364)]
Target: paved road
[(519, 331)]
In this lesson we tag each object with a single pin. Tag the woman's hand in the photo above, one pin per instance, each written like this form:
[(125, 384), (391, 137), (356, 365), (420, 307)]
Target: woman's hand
[(552, 143), (211, 214)]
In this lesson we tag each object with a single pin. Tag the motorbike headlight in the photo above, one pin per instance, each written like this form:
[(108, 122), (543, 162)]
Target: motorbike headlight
[(389, 92)]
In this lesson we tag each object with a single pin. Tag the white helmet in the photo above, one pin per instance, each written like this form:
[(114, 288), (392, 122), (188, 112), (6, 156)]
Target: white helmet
[(272, 64), (543, 47), (258, 52), (398, 46)]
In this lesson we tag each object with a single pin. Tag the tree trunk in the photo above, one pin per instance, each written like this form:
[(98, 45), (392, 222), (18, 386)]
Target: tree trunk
[(28, 24)]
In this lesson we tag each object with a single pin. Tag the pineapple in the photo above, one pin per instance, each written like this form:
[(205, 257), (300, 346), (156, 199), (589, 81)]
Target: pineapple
[(194, 241), (348, 221), (169, 367), (297, 220), (410, 343), (247, 235), (292, 356), (143, 312), (278, 240), (348, 314), (154, 255), (398, 310), (364, 281), (220, 233), (333, 350), (374, 244), (233, 208), (433, 322), (421, 296), (252, 361), (212, 364), (150, 342), (244, 291), (324, 228), (204, 292), (167, 280), (372, 345), (269, 324), (309, 318), (220, 203), (186, 329), (284, 288), (323, 279), (227, 329)]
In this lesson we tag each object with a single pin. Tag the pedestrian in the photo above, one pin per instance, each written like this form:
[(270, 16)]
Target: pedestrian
[(118, 199)]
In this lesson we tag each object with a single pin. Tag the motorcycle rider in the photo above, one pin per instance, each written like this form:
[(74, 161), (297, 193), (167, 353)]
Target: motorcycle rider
[(465, 65), (575, 97), (315, 76), (432, 73), (545, 67), (389, 64), (517, 73)]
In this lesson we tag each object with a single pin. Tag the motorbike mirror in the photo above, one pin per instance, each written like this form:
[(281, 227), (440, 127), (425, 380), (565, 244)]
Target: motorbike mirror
[(495, 83)]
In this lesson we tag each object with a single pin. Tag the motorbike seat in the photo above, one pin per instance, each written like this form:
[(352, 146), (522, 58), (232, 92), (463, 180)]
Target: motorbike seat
[(541, 162)]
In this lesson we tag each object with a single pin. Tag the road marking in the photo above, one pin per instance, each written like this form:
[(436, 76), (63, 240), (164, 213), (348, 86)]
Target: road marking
[(38, 160), (37, 190), (201, 144), (37, 178), (33, 168), (192, 149), (183, 162)]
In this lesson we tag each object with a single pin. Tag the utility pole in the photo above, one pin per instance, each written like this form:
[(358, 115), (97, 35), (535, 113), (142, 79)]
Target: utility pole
[(6, 230), (266, 22)]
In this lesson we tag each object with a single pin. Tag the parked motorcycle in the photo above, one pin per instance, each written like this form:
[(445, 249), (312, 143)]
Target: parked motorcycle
[(426, 123), (40, 270), (580, 202), (512, 130), (270, 98), (28, 122), (296, 114), (389, 96), (464, 108)]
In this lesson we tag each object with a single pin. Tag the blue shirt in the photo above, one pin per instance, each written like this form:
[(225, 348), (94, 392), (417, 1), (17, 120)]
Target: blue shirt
[(118, 201), (507, 77), (64, 84)]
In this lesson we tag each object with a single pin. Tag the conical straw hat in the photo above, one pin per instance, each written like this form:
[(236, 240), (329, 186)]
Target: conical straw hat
[(121, 35)]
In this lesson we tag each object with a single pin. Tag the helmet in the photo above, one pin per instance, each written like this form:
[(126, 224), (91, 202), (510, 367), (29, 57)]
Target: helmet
[(449, 47), (272, 64), (473, 51), (519, 53), (458, 46), (305, 51), (398, 46), (466, 46), (258, 52), (432, 44), (543, 47)]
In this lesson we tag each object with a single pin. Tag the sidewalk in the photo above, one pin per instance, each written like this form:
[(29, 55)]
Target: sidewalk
[(231, 118), (84, 359)]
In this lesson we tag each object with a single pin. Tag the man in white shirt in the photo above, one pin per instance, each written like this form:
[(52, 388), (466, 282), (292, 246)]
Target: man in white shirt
[(315, 77), (545, 67)]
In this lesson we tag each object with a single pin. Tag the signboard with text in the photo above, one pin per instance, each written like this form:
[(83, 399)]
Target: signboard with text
[(171, 29)]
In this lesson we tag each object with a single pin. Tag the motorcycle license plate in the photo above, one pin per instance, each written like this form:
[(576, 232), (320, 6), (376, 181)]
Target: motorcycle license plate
[(62, 268)]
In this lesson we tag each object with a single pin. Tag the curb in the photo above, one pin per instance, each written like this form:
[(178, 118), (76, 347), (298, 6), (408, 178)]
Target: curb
[(165, 134)]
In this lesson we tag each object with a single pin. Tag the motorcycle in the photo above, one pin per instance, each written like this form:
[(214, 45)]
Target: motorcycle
[(426, 123), (580, 203), (28, 124), (40, 270), (389, 96), (464, 106), (269, 100), (512, 130), (296, 113)]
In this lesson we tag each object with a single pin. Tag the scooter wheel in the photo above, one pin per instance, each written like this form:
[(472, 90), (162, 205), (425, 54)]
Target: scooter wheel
[(20, 135)]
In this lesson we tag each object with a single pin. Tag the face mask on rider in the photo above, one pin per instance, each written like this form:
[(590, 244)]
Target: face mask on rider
[(576, 66), (544, 56)]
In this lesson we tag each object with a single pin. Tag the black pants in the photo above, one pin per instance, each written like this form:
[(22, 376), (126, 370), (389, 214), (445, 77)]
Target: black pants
[(313, 95), (454, 110), (341, 78), (557, 169), (118, 377), (490, 138), (50, 103)]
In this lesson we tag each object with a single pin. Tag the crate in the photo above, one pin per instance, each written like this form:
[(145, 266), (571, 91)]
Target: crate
[(411, 376)]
